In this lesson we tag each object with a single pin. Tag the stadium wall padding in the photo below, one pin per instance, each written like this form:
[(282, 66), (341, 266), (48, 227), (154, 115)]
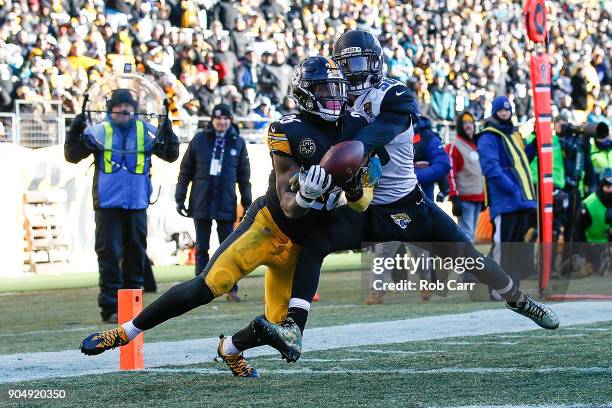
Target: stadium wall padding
[(45, 170)]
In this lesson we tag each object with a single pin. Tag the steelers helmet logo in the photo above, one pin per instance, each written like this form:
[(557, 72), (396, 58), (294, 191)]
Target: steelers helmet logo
[(307, 147)]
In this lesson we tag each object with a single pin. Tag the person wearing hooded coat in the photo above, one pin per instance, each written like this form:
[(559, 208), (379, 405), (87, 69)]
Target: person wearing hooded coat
[(121, 190)]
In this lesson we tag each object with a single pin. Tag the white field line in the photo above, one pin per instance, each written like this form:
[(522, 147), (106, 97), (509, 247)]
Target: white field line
[(435, 371), (608, 404), (70, 363), (83, 328), (378, 351)]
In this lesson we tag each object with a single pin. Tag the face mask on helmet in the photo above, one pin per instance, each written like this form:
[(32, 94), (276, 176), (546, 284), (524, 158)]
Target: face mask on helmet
[(326, 99), (362, 71), (330, 98)]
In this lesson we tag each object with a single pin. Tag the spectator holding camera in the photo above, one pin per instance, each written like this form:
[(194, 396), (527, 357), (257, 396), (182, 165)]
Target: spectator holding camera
[(215, 161), (121, 192)]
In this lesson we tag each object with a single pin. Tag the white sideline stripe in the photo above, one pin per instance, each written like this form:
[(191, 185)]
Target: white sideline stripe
[(607, 404), (319, 360), (436, 371), (83, 328), (71, 363)]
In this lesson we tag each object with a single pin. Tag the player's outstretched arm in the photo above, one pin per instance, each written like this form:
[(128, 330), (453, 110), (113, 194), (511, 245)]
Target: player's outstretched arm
[(396, 114)]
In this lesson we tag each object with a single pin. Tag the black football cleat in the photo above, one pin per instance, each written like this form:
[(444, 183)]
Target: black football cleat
[(541, 314), (285, 336)]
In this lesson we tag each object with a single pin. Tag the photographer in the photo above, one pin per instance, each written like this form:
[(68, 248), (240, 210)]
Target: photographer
[(560, 197), (594, 223), (580, 178), (601, 155)]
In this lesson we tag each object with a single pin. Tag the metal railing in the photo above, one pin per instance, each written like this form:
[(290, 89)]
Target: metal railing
[(41, 124)]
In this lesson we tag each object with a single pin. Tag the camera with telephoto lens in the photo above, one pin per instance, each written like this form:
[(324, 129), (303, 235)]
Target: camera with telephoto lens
[(588, 130)]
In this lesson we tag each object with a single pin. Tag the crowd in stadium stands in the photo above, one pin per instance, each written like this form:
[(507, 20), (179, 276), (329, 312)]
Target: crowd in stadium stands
[(456, 54)]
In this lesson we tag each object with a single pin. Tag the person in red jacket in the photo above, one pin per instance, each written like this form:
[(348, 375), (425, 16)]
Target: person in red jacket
[(465, 176)]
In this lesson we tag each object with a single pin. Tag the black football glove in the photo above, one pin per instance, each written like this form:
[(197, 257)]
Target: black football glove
[(165, 132), (180, 208), (77, 127), (457, 206), (353, 189)]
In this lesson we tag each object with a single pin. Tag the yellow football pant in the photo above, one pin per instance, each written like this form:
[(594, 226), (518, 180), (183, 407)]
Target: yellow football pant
[(256, 241)]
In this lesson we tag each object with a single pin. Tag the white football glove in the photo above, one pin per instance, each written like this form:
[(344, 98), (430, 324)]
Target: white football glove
[(313, 184)]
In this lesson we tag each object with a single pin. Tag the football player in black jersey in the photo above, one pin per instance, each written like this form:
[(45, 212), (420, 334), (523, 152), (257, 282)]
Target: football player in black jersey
[(275, 225), (399, 210)]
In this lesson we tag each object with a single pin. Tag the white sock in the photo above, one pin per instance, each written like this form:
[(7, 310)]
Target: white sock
[(131, 330), (299, 303), (229, 348)]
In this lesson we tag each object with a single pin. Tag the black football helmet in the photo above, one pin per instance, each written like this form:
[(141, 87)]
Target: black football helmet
[(318, 87), (360, 56)]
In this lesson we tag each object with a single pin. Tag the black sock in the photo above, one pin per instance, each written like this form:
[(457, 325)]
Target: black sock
[(246, 338), (299, 316), (513, 296), (493, 275), (176, 301)]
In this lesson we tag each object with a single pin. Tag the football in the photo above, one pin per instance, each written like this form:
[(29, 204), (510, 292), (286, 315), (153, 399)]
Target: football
[(343, 161)]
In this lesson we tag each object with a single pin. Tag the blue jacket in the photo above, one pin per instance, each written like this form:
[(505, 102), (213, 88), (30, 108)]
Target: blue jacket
[(503, 187), (214, 196), (427, 148), (120, 180)]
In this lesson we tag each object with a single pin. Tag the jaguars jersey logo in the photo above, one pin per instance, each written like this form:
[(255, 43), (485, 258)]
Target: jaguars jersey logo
[(307, 147), (367, 107), (401, 219)]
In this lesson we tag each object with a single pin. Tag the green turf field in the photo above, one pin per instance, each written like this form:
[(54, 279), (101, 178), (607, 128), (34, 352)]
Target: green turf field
[(570, 366)]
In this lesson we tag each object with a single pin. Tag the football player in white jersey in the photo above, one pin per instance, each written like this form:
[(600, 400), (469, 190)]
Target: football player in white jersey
[(399, 210)]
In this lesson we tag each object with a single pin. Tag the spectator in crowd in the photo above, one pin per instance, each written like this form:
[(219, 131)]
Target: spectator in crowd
[(465, 176), (248, 71), (275, 78), (442, 100), (288, 107), (121, 193), (215, 161), (504, 160), (480, 42), (262, 111)]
